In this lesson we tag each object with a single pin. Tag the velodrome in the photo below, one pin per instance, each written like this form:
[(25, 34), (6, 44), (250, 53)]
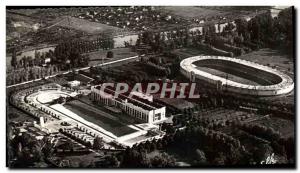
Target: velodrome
[(283, 86)]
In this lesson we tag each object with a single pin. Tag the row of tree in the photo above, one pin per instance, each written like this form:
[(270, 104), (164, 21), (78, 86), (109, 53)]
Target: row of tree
[(30, 73), (266, 31)]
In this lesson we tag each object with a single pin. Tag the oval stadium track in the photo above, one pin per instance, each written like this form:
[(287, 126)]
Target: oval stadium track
[(266, 81)]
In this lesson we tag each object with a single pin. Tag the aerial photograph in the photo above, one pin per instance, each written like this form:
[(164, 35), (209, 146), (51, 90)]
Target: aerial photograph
[(144, 87)]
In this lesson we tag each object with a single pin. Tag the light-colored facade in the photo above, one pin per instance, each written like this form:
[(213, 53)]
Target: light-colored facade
[(141, 109), (74, 83)]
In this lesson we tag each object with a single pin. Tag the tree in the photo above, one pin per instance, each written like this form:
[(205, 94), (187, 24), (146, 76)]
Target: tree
[(261, 152), (68, 145), (200, 157), (98, 143), (241, 26), (134, 159), (153, 146), (220, 159), (14, 58), (163, 161), (114, 161), (285, 26), (109, 54), (28, 150)]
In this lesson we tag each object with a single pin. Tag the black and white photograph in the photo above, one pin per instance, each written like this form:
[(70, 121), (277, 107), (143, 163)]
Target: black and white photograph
[(145, 87)]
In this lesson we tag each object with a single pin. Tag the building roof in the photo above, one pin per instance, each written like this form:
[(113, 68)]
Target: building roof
[(137, 101)]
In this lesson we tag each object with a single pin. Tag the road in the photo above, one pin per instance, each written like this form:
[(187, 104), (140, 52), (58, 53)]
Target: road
[(84, 68)]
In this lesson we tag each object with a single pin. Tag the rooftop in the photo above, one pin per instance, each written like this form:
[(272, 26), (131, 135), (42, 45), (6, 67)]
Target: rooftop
[(138, 101)]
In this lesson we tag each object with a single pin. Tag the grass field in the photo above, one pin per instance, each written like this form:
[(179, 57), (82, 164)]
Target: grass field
[(119, 53), (189, 12), (17, 115), (272, 58), (192, 12), (86, 26), (188, 52), (96, 116)]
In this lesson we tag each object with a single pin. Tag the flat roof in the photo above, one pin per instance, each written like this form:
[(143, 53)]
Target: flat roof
[(140, 102)]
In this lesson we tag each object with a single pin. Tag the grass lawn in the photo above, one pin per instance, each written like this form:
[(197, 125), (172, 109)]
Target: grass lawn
[(96, 116), (209, 12), (272, 58), (188, 52), (86, 26), (14, 114), (119, 53), (192, 12)]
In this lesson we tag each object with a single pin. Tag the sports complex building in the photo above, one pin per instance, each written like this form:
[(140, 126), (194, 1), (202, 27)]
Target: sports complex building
[(260, 80), (135, 106)]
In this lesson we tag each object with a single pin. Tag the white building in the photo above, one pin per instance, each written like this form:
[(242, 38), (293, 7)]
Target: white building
[(137, 107), (274, 11), (74, 83)]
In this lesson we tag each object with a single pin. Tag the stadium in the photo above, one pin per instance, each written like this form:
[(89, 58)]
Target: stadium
[(236, 75), (85, 120)]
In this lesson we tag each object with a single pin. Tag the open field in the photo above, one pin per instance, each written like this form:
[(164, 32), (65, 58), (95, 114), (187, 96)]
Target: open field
[(192, 12), (272, 58), (14, 114), (119, 53), (18, 23), (86, 26), (188, 52), (99, 117), (189, 12)]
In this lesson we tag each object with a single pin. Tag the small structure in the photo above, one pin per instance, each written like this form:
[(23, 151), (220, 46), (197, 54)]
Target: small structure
[(42, 123), (74, 83)]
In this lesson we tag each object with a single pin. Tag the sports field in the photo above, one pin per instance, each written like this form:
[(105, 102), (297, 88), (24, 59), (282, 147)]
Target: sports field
[(209, 12), (229, 76), (86, 26), (119, 53), (192, 12), (98, 117)]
